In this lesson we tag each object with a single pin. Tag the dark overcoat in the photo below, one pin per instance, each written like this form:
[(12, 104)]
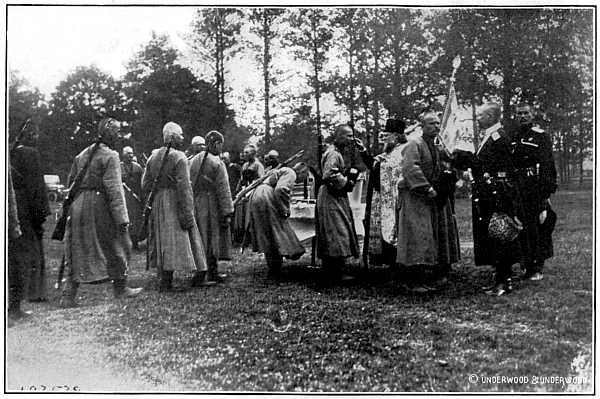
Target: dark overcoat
[(26, 254), (493, 191), (535, 177)]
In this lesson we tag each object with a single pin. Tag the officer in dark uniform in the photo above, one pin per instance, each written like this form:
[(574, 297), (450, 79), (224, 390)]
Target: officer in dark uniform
[(494, 192), (535, 177)]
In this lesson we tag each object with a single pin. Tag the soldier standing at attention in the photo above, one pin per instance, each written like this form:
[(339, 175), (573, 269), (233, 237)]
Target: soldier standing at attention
[(535, 177), (494, 193), (213, 206)]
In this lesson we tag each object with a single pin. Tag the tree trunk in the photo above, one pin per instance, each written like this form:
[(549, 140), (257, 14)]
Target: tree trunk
[(365, 104), (376, 102), (475, 131), (351, 73), (218, 70), (266, 63), (316, 82)]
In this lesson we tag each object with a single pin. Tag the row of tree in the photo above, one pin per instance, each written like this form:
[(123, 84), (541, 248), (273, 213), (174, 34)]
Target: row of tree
[(374, 62), (397, 61)]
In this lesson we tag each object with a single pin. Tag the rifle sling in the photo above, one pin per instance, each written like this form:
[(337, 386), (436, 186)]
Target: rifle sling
[(200, 174), (76, 186)]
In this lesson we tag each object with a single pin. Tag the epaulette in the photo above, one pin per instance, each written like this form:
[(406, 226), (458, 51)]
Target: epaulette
[(538, 129)]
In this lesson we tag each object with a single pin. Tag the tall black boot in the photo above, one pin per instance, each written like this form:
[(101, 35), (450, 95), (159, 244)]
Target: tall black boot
[(274, 262), (503, 280), (200, 279), (213, 269), (122, 291), (166, 281), (67, 299)]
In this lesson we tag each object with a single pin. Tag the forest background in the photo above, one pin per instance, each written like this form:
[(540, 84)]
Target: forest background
[(309, 69)]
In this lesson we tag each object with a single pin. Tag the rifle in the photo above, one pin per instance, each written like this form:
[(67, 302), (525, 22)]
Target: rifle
[(61, 224), (20, 135), (134, 195), (259, 181), (143, 160), (151, 195), (17, 140), (61, 273)]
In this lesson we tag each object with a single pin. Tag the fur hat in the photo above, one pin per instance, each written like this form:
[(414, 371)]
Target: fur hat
[(213, 136), (394, 126)]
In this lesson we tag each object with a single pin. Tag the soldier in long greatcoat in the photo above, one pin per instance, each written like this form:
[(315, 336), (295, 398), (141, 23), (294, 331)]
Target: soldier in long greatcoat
[(213, 206), (174, 242), (97, 244), (267, 226), (336, 233), (427, 233), (131, 173), (252, 169), (26, 265), (27, 253)]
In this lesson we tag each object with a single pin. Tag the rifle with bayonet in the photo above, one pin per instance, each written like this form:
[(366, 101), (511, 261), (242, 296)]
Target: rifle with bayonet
[(260, 180), (61, 224)]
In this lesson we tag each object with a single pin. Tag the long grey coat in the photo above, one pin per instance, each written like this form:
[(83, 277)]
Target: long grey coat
[(95, 248), (336, 234), (212, 202), (174, 243), (267, 226), (427, 234)]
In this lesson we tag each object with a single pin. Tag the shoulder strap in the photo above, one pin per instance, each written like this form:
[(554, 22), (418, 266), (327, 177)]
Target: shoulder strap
[(201, 169)]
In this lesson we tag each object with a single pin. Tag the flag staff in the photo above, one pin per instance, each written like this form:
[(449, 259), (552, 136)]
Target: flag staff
[(447, 106)]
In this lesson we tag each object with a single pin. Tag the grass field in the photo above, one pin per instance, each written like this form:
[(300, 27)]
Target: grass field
[(254, 334)]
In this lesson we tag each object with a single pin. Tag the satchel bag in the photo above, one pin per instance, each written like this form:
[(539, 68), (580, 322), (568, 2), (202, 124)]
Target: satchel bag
[(504, 228)]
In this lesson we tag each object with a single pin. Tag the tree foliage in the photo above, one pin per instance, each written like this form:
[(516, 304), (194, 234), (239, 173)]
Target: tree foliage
[(262, 23), (215, 34), (164, 91), (361, 64), (79, 102)]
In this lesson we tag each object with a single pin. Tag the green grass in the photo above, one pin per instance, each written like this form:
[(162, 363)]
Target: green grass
[(369, 337)]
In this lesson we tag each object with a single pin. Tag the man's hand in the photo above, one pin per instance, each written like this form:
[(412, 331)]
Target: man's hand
[(542, 217), (353, 174), (431, 193)]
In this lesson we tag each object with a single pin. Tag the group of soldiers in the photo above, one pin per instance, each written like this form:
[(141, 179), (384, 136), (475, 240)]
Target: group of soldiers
[(410, 206), (182, 204)]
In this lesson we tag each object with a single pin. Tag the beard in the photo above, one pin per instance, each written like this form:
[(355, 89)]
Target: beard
[(388, 147)]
